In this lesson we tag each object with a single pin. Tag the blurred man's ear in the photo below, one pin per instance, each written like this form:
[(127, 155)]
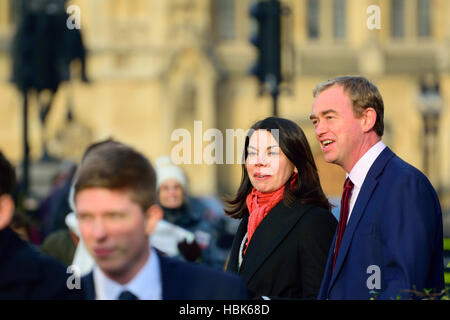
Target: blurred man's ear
[(6, 210), (153, 215)]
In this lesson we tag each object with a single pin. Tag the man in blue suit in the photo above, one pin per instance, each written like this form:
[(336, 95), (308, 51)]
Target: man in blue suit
[(115, 205), (389, 241)]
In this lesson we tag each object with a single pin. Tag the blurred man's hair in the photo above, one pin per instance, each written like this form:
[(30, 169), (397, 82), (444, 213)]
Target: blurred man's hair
[(116, 166), (7, 176), (108, 141), (363, 94)]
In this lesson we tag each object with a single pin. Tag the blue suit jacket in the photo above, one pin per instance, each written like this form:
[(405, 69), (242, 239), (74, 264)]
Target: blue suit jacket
[(188, 281), (393, 240)]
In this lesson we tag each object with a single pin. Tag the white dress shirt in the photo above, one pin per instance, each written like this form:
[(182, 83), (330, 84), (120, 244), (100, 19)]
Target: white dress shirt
[(146, 285), (359, 171)]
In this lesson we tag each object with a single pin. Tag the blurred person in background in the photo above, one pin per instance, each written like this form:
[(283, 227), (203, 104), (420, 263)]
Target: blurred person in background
[(21, 225), (286, 228), (24, 273), (205, 227), (115, 199), (54, 208), (62, 244)]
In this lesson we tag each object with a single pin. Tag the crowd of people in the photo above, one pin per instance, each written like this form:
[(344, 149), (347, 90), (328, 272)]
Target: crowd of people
[(133, 231)]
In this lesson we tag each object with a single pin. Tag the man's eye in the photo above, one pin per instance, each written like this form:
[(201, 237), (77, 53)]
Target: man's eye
[(84, 217), (116, 215)]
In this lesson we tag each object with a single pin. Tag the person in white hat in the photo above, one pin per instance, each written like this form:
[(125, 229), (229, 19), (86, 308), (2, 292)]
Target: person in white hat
[(188, 213), (170, 183)]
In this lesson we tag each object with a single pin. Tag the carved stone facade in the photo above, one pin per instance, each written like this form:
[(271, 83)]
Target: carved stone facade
[(159, 65)]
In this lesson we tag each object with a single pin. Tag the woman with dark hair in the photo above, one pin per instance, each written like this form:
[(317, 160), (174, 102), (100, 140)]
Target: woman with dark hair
[(282, 243)]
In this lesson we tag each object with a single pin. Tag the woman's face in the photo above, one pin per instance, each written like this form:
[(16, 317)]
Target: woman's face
[(171, 194), (267, 166)]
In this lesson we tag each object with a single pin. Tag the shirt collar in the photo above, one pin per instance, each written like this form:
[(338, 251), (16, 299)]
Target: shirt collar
[(361, 168), (146, 285)]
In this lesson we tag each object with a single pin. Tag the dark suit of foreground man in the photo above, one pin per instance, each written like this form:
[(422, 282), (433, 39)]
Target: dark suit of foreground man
[(392, 241), (24, 273), (187, 281), (115, 205)]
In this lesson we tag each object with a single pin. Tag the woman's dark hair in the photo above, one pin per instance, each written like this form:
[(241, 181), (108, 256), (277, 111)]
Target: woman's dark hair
[(293, 143)]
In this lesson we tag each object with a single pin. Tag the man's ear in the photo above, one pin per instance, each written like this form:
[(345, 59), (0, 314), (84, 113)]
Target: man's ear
[(6, 210), (369, 118), (152, 217)]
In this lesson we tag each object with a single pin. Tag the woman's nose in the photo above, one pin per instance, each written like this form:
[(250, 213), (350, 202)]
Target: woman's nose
[(261, 159)]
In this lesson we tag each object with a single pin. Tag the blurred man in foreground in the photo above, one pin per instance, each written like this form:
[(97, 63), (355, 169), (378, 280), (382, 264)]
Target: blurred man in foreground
[(116, 208)]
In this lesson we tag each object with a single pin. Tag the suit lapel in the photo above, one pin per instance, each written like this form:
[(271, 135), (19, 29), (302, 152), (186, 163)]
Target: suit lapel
[(169, 284), (233, 264), (325, 285), (364, 196), (358, 211), (87, 284), (268, 236)]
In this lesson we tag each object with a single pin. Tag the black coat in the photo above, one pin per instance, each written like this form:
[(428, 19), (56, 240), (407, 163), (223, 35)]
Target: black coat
[(287, 254), (188, 281), (26, 274)]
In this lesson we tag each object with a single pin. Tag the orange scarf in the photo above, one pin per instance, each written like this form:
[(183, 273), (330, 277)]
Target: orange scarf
[(259, 204)]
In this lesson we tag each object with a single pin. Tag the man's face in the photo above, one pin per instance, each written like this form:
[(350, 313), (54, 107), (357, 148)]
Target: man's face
[(171, 194), (113, 228), (338, 131)]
